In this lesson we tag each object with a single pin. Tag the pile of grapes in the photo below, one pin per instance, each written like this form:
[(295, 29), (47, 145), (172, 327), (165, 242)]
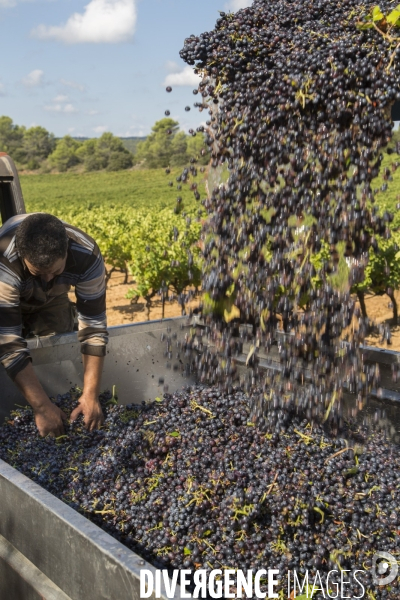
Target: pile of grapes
[(299, 96), (190, 481)]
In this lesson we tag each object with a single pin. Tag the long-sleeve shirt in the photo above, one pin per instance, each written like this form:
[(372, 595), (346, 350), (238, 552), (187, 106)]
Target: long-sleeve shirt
[(84, 270)]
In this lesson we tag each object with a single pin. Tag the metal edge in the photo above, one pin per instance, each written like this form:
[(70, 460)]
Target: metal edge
[(27, 579), (127, 562), (113, 331)]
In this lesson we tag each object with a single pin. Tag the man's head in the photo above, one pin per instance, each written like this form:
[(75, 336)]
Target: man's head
[(42, 243)]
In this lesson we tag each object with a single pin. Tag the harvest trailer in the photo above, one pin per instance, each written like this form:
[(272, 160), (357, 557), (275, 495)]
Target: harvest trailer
[(48, 550)]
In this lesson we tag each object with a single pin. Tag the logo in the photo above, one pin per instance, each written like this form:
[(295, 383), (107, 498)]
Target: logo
[(384, 568)]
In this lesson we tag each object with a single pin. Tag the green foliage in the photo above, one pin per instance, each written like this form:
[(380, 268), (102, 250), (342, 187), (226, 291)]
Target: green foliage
[(131, 216), (65, 155), (108, 152), (38, 143), (69, 194), (131, 143), (30, 148), (11, 138), (377, 18), (196, 149), (156, 151), (382, 273), (166, 146), (164, 253), (179, 149)]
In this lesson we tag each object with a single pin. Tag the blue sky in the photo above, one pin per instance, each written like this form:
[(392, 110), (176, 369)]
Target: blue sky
[(87, 66)]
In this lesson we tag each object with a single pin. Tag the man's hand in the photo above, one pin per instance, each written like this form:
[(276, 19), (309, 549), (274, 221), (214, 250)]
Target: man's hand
[(48, 417), (49, 420), (89, 406)]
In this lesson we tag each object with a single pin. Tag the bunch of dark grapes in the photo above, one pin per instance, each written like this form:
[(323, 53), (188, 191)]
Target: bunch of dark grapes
[(299, 96), (191, 482)]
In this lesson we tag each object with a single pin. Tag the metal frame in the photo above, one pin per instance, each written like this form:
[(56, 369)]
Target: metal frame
[(11, 198), (47, 550)]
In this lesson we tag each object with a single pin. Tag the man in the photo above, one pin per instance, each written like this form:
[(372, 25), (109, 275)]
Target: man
[(40, 259)]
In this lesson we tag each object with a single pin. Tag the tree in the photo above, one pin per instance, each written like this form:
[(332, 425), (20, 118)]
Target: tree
[(195, 146), (11, 139), (156, 150), (38, 143), (108, 152), (179, 156), (65, 155), (88, 154)]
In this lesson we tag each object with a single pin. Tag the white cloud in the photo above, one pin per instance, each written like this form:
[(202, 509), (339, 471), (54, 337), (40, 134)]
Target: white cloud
[(67, 109), (73, 84), (172, 67), (93, 112), (60, 98), (103, 21), (184, 77), (235, 5), (34, 79), (100, 128)]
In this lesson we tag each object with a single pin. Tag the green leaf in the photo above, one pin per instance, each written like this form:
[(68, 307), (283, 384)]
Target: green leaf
[(364, 26), (233, 313), (230, 289), (186, 551), (174, 434), (351, 472), (377, 14), (158, 399), (394, 17), (207, 533)]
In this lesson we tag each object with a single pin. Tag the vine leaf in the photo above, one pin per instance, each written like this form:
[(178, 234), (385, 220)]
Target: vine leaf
[(377, 14), (233, 313), (394, 17), (364, 26)]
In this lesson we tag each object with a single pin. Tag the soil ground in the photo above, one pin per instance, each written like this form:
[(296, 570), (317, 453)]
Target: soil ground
[(120, 311)]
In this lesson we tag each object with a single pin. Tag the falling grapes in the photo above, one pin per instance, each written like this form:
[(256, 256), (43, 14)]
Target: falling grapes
[(299, 97)]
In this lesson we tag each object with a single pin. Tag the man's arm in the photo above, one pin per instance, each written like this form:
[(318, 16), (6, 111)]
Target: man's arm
[(89, 404), (48, 417)]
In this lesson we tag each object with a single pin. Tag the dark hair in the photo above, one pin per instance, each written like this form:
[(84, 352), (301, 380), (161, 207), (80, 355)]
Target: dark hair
[(41, 239)]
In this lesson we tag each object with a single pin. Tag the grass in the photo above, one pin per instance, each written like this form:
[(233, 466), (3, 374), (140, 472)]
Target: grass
[(138, 189)]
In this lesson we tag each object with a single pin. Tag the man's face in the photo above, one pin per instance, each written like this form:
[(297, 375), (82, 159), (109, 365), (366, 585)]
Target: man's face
[(47, 274)]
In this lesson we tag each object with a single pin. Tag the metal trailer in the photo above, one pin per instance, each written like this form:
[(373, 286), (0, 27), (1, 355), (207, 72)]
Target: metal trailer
[(48, 550)]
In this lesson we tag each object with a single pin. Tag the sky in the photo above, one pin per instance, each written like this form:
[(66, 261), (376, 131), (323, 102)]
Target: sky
[(83, 67)]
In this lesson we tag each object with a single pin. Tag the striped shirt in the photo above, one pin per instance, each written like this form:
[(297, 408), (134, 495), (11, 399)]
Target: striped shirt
[(84, 270)]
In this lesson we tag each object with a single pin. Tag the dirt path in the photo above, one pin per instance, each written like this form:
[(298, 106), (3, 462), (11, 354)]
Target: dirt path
[(120, 311), (379, 310)]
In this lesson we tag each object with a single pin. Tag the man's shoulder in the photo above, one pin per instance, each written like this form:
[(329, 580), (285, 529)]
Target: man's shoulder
[(80, 239), (8, 251)]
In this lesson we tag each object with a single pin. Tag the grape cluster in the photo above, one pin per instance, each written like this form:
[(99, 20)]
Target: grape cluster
[(189, 481), (299, 96)]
